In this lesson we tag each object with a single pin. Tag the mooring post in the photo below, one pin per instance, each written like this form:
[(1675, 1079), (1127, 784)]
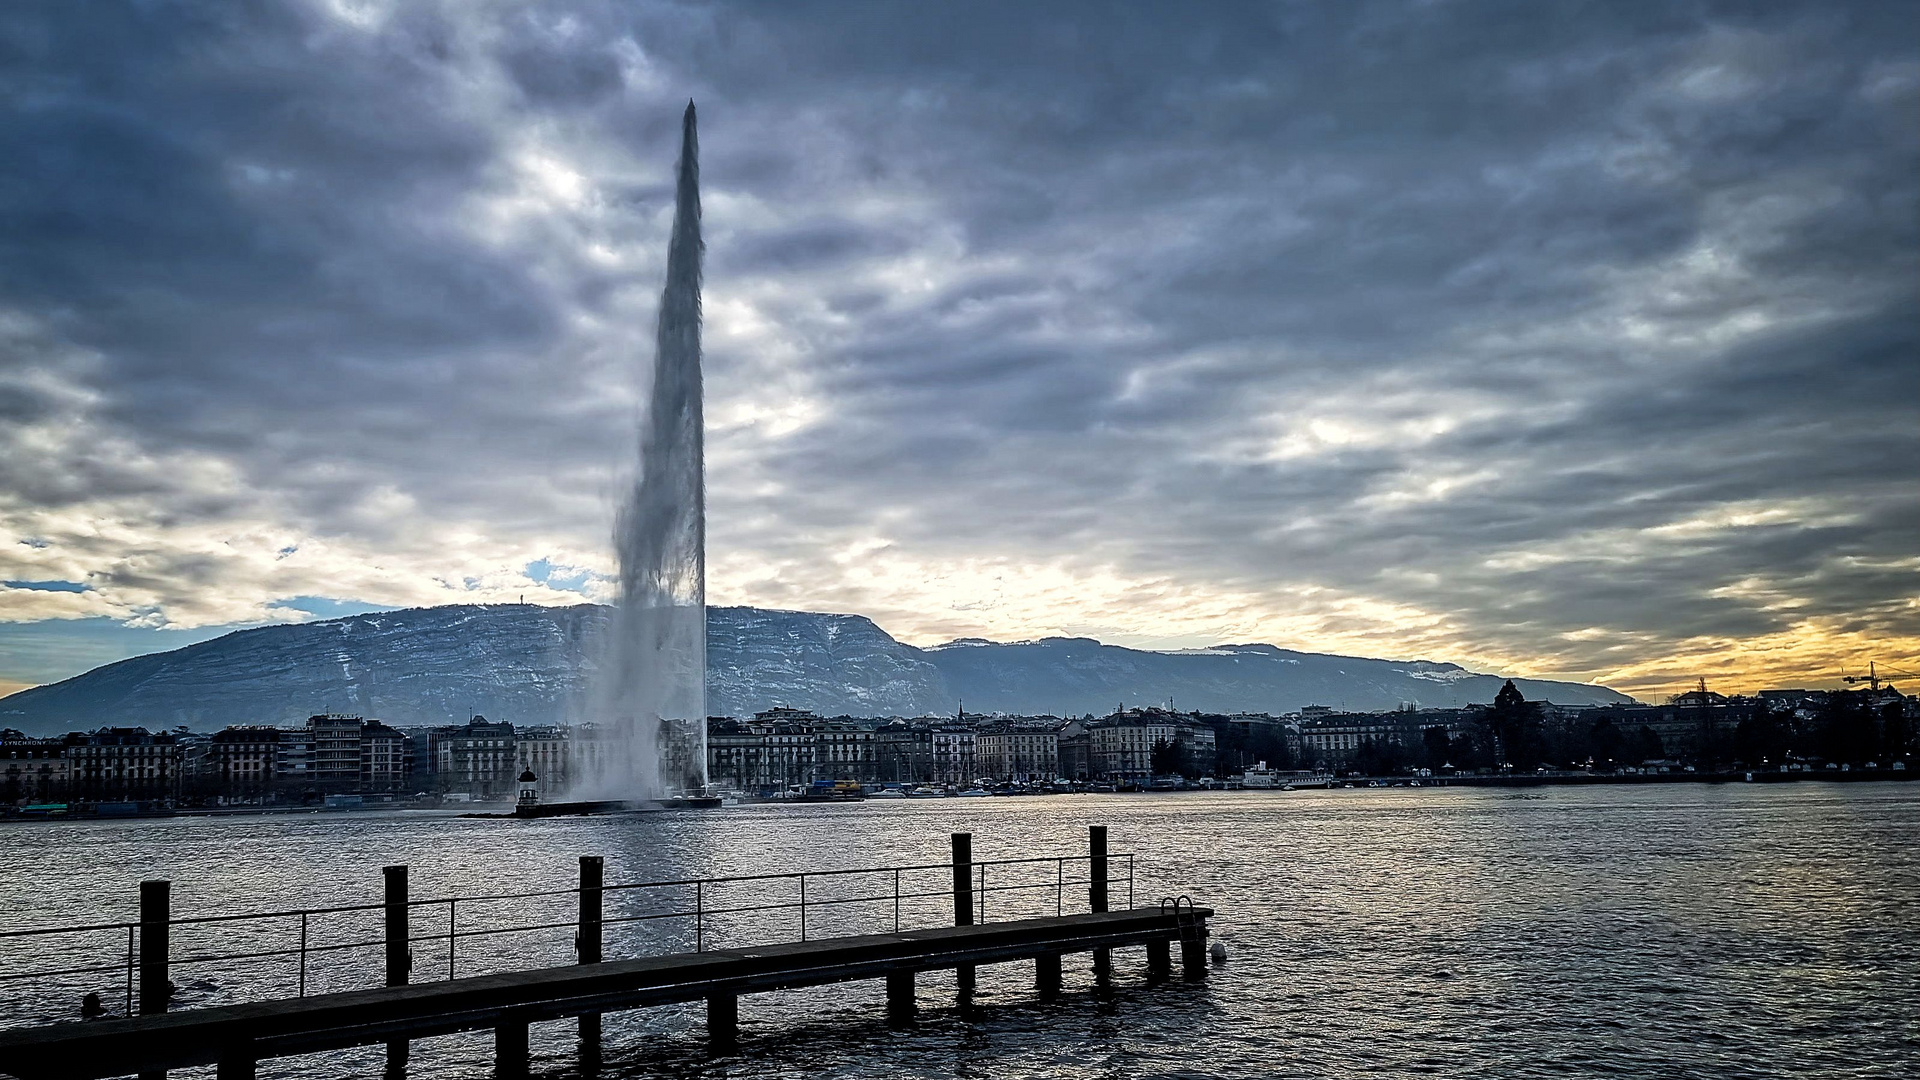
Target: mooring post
[(900, 1004), (156, 915), (723, 1022), (510, 1048), (1097, 897), (1046, 975), (963, 903), (587, 940), (1159, 960), (399, 955)]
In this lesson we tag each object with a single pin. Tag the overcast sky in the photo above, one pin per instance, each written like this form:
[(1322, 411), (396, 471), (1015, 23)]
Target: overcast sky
[(1572, 340)]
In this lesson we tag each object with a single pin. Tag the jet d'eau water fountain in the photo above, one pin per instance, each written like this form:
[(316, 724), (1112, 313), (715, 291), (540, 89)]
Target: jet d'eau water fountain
[(649, 701)]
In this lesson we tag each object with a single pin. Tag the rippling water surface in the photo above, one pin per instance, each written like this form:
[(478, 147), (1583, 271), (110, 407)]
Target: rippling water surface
[(1680, 930)]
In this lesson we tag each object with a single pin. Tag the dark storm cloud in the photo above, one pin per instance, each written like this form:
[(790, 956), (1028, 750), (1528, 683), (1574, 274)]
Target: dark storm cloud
[(1563, 325)]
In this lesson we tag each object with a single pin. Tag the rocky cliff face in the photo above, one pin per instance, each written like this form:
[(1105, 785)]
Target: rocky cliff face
[(533, 665)]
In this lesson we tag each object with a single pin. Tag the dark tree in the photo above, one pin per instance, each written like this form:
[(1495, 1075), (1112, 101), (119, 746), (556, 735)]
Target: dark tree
[(1513, 725), (1605, 744), (1380, 757), (1169, 758), (1436, 750), (1271, 746), (1762, 738), (1896, 732), (1644, 746), (1846, 729)]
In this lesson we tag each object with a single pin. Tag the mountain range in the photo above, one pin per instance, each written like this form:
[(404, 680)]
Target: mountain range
[(534, 665)]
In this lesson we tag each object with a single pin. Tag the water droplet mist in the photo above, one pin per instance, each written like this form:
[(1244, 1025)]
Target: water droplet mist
[(649, 700)]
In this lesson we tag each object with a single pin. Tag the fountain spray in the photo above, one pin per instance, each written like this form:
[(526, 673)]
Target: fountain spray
[(650, 696)]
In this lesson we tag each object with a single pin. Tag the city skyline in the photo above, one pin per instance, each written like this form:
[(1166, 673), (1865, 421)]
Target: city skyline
[(1582, 349)]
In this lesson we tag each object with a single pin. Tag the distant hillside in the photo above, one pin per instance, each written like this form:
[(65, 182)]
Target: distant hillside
[(1080, 675), (533, 665)]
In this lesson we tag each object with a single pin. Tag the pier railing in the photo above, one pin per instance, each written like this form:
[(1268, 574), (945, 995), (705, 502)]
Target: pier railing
[(47, 972)]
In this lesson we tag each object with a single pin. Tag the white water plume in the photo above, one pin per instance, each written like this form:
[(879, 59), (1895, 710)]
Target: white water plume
[(649, 702)]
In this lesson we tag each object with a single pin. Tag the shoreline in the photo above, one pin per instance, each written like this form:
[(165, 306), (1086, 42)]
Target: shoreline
[(1354, 783)]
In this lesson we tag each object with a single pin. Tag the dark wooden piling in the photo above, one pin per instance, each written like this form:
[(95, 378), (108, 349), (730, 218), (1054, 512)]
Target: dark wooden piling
[(1046, 975), (510, 1047), (1159, 961), (588, 940), (156, 916), (900, 1004), (399, 954), (723, 1022), (963, 904), (1097, 898)]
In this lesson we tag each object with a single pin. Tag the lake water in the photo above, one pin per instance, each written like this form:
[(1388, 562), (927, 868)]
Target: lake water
[(1660, 931)]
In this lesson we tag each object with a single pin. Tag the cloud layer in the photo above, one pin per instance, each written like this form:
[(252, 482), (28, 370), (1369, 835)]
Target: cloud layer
[(1576, 341)]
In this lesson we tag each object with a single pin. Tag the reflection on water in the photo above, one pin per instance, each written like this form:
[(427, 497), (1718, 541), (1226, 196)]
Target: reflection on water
[(1660, 931)]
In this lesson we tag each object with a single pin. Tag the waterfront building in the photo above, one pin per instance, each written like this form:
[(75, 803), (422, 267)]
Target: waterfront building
[(334, 764), (293, 760), (953, 748), (903, 752), (546, 752), (122, 764), (242, 761), (1018, 750), (843, 751), (1331, 741), (383, 758), (736, 756), (32, 770), (1074, 745), (1121, 747), (789, 755), (476, 759), (783, 748)]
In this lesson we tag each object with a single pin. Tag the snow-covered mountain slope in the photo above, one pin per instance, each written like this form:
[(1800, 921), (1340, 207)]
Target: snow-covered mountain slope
[(534, 665)]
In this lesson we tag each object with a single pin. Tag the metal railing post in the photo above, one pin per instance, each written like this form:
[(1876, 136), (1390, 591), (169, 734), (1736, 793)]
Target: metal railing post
[(803, 907), (452, 903), (699, 916), (896, 900), (303, 954)]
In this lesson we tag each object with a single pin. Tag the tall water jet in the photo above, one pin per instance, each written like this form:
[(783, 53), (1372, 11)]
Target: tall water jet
[(650, 697)]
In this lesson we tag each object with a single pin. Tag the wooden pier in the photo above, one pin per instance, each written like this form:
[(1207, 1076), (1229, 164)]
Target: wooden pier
[(236, 1038)]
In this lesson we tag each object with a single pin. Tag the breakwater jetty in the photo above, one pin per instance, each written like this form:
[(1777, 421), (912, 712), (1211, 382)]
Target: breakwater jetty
[(1093, 913)]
